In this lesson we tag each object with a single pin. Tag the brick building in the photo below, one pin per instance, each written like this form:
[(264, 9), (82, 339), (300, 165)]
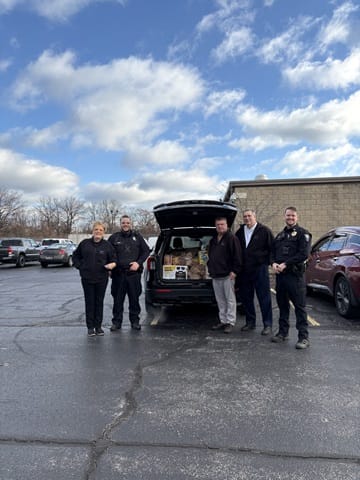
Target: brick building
[(322, 203)]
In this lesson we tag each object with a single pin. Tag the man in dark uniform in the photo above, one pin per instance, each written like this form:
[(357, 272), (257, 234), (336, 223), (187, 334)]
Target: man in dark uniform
[(256, 243), (291, 249), (132, 251)]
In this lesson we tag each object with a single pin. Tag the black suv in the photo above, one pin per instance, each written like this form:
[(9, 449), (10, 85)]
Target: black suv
[(176, 271)]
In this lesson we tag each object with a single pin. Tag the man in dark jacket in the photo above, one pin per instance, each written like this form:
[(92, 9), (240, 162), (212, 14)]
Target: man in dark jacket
[(291, 249), (256, 243), (132, 251), (224, 264)]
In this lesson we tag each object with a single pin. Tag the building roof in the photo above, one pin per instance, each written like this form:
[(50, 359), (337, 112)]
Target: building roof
[(286, 181)]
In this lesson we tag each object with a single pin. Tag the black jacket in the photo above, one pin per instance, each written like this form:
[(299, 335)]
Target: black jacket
[(90, 258), (224, 256), (129, 247), (259, 248), (291, 246)]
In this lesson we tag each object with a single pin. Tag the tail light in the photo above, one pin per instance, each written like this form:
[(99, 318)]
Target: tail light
[(62, 251), (10, 251), (150, 263)]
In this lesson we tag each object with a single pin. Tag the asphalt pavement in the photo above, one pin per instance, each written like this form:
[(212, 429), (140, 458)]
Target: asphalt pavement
[(173, 401)]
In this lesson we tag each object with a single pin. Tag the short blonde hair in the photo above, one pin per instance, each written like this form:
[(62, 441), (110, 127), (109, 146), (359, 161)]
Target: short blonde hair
[(99, 224)]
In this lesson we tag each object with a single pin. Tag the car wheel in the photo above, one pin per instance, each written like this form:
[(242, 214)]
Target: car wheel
[(21, 261), (70, 262), (342, 297), (44, 265)]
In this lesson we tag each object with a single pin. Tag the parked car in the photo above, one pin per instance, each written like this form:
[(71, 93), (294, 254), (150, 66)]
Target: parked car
[(57, 251), (334, 268), (176, 271), (19, 251)]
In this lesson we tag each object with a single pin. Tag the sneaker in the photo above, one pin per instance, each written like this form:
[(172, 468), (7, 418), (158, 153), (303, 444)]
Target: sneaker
[(218, 326), (228, 328), (136, 326), (91, 332), (278, 338), (266, 331), (99, 332), (247, 328), (303, 343), (115, 328)]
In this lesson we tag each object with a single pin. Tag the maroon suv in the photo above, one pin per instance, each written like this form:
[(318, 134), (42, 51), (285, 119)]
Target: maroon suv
[(334, 268)]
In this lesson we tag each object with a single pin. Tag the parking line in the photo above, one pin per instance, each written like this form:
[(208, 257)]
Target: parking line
[(311, 320)]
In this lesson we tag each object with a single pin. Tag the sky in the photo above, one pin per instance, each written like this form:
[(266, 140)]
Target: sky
[(151, 101)]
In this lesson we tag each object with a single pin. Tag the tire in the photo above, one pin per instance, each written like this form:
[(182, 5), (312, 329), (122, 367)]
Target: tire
[(21, 261), (43, 264), (70, 262), (343, 298)]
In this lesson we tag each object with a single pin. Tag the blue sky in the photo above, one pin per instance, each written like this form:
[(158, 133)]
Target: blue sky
[(146, 101)]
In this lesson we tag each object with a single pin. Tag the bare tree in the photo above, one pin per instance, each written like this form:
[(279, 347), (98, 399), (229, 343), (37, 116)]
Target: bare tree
[(58, 216), (144, 221), (11, 204)]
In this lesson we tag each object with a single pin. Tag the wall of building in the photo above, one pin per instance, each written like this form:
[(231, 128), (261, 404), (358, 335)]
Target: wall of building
[(321, 203)]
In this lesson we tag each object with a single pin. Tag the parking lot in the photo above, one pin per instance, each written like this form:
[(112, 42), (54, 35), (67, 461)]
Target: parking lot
[(173, 401)]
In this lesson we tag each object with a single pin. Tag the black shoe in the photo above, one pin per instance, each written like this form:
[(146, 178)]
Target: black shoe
[(115, 328), (301, 344), (91, 332), (136, 326), (247, 328), (228, 328), (266, 331), (99, 332), (278, 338), (218, 326)]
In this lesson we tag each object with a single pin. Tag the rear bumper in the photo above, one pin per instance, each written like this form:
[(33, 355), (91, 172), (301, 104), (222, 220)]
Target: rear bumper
[(166, 295)]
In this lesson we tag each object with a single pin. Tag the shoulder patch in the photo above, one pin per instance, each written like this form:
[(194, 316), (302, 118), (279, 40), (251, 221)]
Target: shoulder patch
[(307, 237)]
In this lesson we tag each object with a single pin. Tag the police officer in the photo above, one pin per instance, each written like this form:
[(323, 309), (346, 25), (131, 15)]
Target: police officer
[(132, 251), (291, 249)]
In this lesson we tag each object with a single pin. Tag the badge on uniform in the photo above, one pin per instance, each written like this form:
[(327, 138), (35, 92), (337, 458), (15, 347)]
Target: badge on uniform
[(134, 238), (294, 233)]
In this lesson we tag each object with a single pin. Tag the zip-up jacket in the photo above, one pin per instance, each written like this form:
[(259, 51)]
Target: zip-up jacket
[(224, 255), (90, 258)]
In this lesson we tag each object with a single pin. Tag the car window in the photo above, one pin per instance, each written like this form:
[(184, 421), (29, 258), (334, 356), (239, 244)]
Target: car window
[(337, 243), (323, 245), (11, 243), (354, 240)]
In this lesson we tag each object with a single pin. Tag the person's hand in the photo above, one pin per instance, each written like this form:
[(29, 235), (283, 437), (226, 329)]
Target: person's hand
[(110, 266), (232, 276), (134, 266)]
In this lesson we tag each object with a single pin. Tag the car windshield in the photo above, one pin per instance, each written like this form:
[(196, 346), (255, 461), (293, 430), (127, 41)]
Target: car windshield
[(50, 241)]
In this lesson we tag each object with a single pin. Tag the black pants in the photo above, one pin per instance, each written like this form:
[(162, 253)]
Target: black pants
[(290, 286), (94, 294), (126, 283), (251, 281)]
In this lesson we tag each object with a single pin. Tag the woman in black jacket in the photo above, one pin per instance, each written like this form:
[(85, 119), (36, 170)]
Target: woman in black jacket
[(94, 258)]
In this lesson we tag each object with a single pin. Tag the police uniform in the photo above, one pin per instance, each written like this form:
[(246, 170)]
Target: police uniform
[(292, 247), (130, 247)]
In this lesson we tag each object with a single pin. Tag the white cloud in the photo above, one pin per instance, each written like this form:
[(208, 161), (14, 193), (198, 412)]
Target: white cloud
[(330, 74), (235, 44), (345, 160), (116, 105), (331, 123), (33, 177), (287, 46), (225, 100), (55, 10), (152, 188), (338, 29)]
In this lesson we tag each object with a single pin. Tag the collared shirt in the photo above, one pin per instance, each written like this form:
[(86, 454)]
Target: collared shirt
[(248, 233)]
